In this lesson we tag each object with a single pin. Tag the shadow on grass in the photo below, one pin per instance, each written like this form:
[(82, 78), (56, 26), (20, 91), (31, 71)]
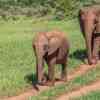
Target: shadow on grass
[(31, 79), (79, 55)]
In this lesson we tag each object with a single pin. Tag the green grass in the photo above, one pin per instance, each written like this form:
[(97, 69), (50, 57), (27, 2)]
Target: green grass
[(17, 60), (94, 95), (82, 80)]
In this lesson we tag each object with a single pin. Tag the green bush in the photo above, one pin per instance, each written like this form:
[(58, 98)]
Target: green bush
[(60, 9)]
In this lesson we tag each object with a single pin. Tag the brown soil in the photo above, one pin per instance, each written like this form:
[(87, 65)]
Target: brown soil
[(24, 96), (82, 69), (81, 91)]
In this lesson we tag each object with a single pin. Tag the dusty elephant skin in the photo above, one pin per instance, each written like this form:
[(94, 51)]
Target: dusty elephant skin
[(52, 47), (89, 18)]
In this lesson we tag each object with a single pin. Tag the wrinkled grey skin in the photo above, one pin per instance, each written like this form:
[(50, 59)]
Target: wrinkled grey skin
[(96, 41), (52, 47), (88, 17)]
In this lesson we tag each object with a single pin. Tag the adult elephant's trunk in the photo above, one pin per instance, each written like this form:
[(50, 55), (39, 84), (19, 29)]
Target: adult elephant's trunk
[(88, 31)]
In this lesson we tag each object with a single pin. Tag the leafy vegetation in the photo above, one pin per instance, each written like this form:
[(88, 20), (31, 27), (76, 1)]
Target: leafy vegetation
[(54, 9)]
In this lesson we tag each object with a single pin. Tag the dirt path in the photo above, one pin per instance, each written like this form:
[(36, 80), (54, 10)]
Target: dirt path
[(82, 69), (81, 91), (24, 96)]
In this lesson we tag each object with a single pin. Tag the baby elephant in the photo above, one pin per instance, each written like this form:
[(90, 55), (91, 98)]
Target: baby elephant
[(52, 47)]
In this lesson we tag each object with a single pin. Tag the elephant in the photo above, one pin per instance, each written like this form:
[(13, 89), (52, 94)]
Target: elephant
[(96, 40), (53, 48), (88, 18)]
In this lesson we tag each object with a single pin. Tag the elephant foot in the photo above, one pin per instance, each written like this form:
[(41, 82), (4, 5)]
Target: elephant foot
[(93, 61), (43, 81), (49, 83), (46, 83), (64, 79)]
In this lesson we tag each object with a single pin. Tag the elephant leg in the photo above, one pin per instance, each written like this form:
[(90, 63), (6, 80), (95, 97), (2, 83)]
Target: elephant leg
[(39, 74), (64, 72), (96, 49), (51, 71)]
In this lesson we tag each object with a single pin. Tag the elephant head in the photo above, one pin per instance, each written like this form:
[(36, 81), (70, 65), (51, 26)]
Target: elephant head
[(87, 18), (44, 45)]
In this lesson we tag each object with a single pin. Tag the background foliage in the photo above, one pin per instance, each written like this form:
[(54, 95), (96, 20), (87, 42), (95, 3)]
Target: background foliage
[(57, 9)]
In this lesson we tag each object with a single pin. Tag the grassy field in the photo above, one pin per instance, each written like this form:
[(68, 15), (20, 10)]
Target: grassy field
[(17, 60), (94, 95)]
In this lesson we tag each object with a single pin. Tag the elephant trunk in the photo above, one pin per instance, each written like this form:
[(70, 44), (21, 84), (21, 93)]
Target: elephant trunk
[(88, 30)]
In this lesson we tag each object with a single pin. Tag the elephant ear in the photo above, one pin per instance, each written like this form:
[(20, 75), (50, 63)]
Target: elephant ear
[(64, 49), (54, 44)]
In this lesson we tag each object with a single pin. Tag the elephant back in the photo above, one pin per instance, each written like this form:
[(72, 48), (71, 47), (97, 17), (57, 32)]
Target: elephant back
[(55, 34)]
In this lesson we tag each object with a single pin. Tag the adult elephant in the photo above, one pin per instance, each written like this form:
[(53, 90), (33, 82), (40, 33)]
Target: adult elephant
[(52, 47), (88, 17)]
